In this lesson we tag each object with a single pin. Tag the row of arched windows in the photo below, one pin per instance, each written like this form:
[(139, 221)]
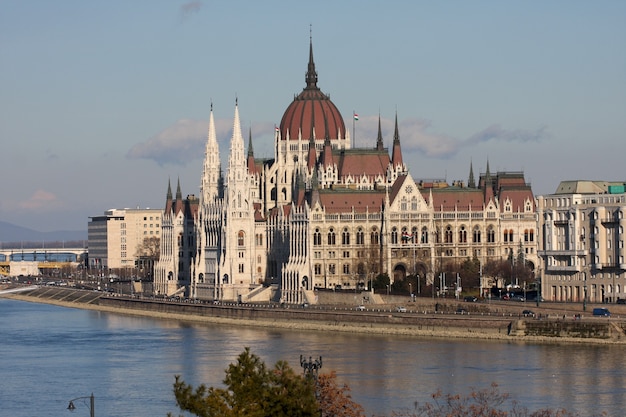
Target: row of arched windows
[(331, 238), (415, 235)]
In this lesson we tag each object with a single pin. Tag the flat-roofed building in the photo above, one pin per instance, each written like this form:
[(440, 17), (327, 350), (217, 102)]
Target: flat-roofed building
[(115, 238), (581, 242)]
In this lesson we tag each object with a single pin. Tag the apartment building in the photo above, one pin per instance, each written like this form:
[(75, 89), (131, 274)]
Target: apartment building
[(581, 242), (116, 236)]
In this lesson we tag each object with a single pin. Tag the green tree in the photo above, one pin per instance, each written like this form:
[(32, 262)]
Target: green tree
[(252, 390)]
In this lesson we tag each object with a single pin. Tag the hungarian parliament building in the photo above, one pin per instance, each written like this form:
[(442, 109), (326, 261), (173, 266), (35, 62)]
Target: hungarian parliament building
[(323, 214)]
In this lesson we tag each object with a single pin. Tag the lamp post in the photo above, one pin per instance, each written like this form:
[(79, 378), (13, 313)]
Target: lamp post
[(92, 411)]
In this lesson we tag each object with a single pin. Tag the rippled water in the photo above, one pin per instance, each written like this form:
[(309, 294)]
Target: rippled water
[(52, 354)]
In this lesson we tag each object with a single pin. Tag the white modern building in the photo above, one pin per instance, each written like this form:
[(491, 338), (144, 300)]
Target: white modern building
[(116, 237), (581, 242)]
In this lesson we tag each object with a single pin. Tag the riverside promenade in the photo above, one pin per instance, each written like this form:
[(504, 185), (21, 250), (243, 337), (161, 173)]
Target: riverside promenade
[(442, 318)]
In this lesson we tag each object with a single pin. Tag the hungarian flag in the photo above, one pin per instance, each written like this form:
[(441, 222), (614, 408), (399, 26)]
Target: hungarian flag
[(356, 116)]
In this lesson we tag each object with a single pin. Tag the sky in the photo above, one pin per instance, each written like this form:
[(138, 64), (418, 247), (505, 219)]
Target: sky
[(103, 102)]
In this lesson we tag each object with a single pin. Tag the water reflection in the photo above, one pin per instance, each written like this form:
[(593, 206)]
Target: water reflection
[(52, 354)]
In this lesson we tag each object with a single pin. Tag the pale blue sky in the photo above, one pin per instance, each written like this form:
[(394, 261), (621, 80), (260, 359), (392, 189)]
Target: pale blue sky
[(101, 102)]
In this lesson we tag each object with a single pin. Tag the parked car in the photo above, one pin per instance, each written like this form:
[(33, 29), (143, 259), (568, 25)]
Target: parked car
[(461, 310), (470, 299), (528, 313), (361, 308), (621, 301), (401, 309), (604, 312)]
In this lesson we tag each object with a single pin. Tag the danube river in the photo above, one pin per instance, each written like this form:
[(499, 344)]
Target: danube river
[(52, 354)]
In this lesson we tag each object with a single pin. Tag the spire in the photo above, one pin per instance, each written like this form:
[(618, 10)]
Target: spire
[(237, 158), (250, 150), (471, 183), (179, 194), (328, 153), (209, 183), (379, 139), (311, 74), (396, 156), (312, 156), (168, 197), (251, 165)]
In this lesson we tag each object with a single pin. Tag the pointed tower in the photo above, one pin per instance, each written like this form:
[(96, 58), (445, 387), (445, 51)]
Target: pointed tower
[(379, 140), (211, 173), (252, 169), (396, 156), (238, 226), (471, 183)]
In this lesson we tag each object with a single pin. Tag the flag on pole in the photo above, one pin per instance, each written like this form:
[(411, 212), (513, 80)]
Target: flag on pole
[(356, 116)]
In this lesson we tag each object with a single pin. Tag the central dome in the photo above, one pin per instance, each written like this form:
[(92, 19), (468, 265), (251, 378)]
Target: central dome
[(311, 113)]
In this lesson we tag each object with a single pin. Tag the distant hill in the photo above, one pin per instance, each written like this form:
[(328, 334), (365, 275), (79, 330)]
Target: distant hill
[(10, 233)]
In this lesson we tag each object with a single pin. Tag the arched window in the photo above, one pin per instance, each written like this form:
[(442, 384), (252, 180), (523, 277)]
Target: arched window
[(317, 237), (240, 238), (345, 237), (510, 235), (476, 235), (414, 204), (531, 235), (491, 235), (424, 238), (394, 236), (462, 235), (374, 236), (360, 237), (448, 234), (331, 236)]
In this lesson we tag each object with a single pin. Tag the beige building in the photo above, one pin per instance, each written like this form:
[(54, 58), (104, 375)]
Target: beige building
[(115, 237), (581, 242)]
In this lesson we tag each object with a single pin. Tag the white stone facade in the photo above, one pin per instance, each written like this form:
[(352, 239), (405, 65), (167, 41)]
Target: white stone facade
[(581, 242)]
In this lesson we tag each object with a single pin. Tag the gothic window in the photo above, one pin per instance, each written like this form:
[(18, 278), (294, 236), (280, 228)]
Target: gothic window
[(331, 236), (331, 269), (526, 235), (241, 270), (346, 269), (318, 269), (424, 237), (414, 204), (240, 238), (394, 236), (491, 235), (476, 235), (360, 237), (317, 237), (403, 204), (463, 235), (448, 234), (345, 237), (374, 236)]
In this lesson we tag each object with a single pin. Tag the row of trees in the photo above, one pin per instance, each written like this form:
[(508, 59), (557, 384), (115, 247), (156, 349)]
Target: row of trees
[(251, 389)]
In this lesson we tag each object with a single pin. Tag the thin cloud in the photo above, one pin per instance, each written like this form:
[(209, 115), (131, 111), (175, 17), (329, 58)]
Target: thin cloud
[(40, 199), (178, 144), (414, 136), (187, 9), (496, 132), (185, 141)]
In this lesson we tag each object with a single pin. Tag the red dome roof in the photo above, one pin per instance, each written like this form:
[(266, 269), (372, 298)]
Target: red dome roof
[(312, 109)]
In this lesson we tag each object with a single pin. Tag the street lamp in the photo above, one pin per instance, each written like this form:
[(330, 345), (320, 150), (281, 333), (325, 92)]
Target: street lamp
[(92, 412)]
